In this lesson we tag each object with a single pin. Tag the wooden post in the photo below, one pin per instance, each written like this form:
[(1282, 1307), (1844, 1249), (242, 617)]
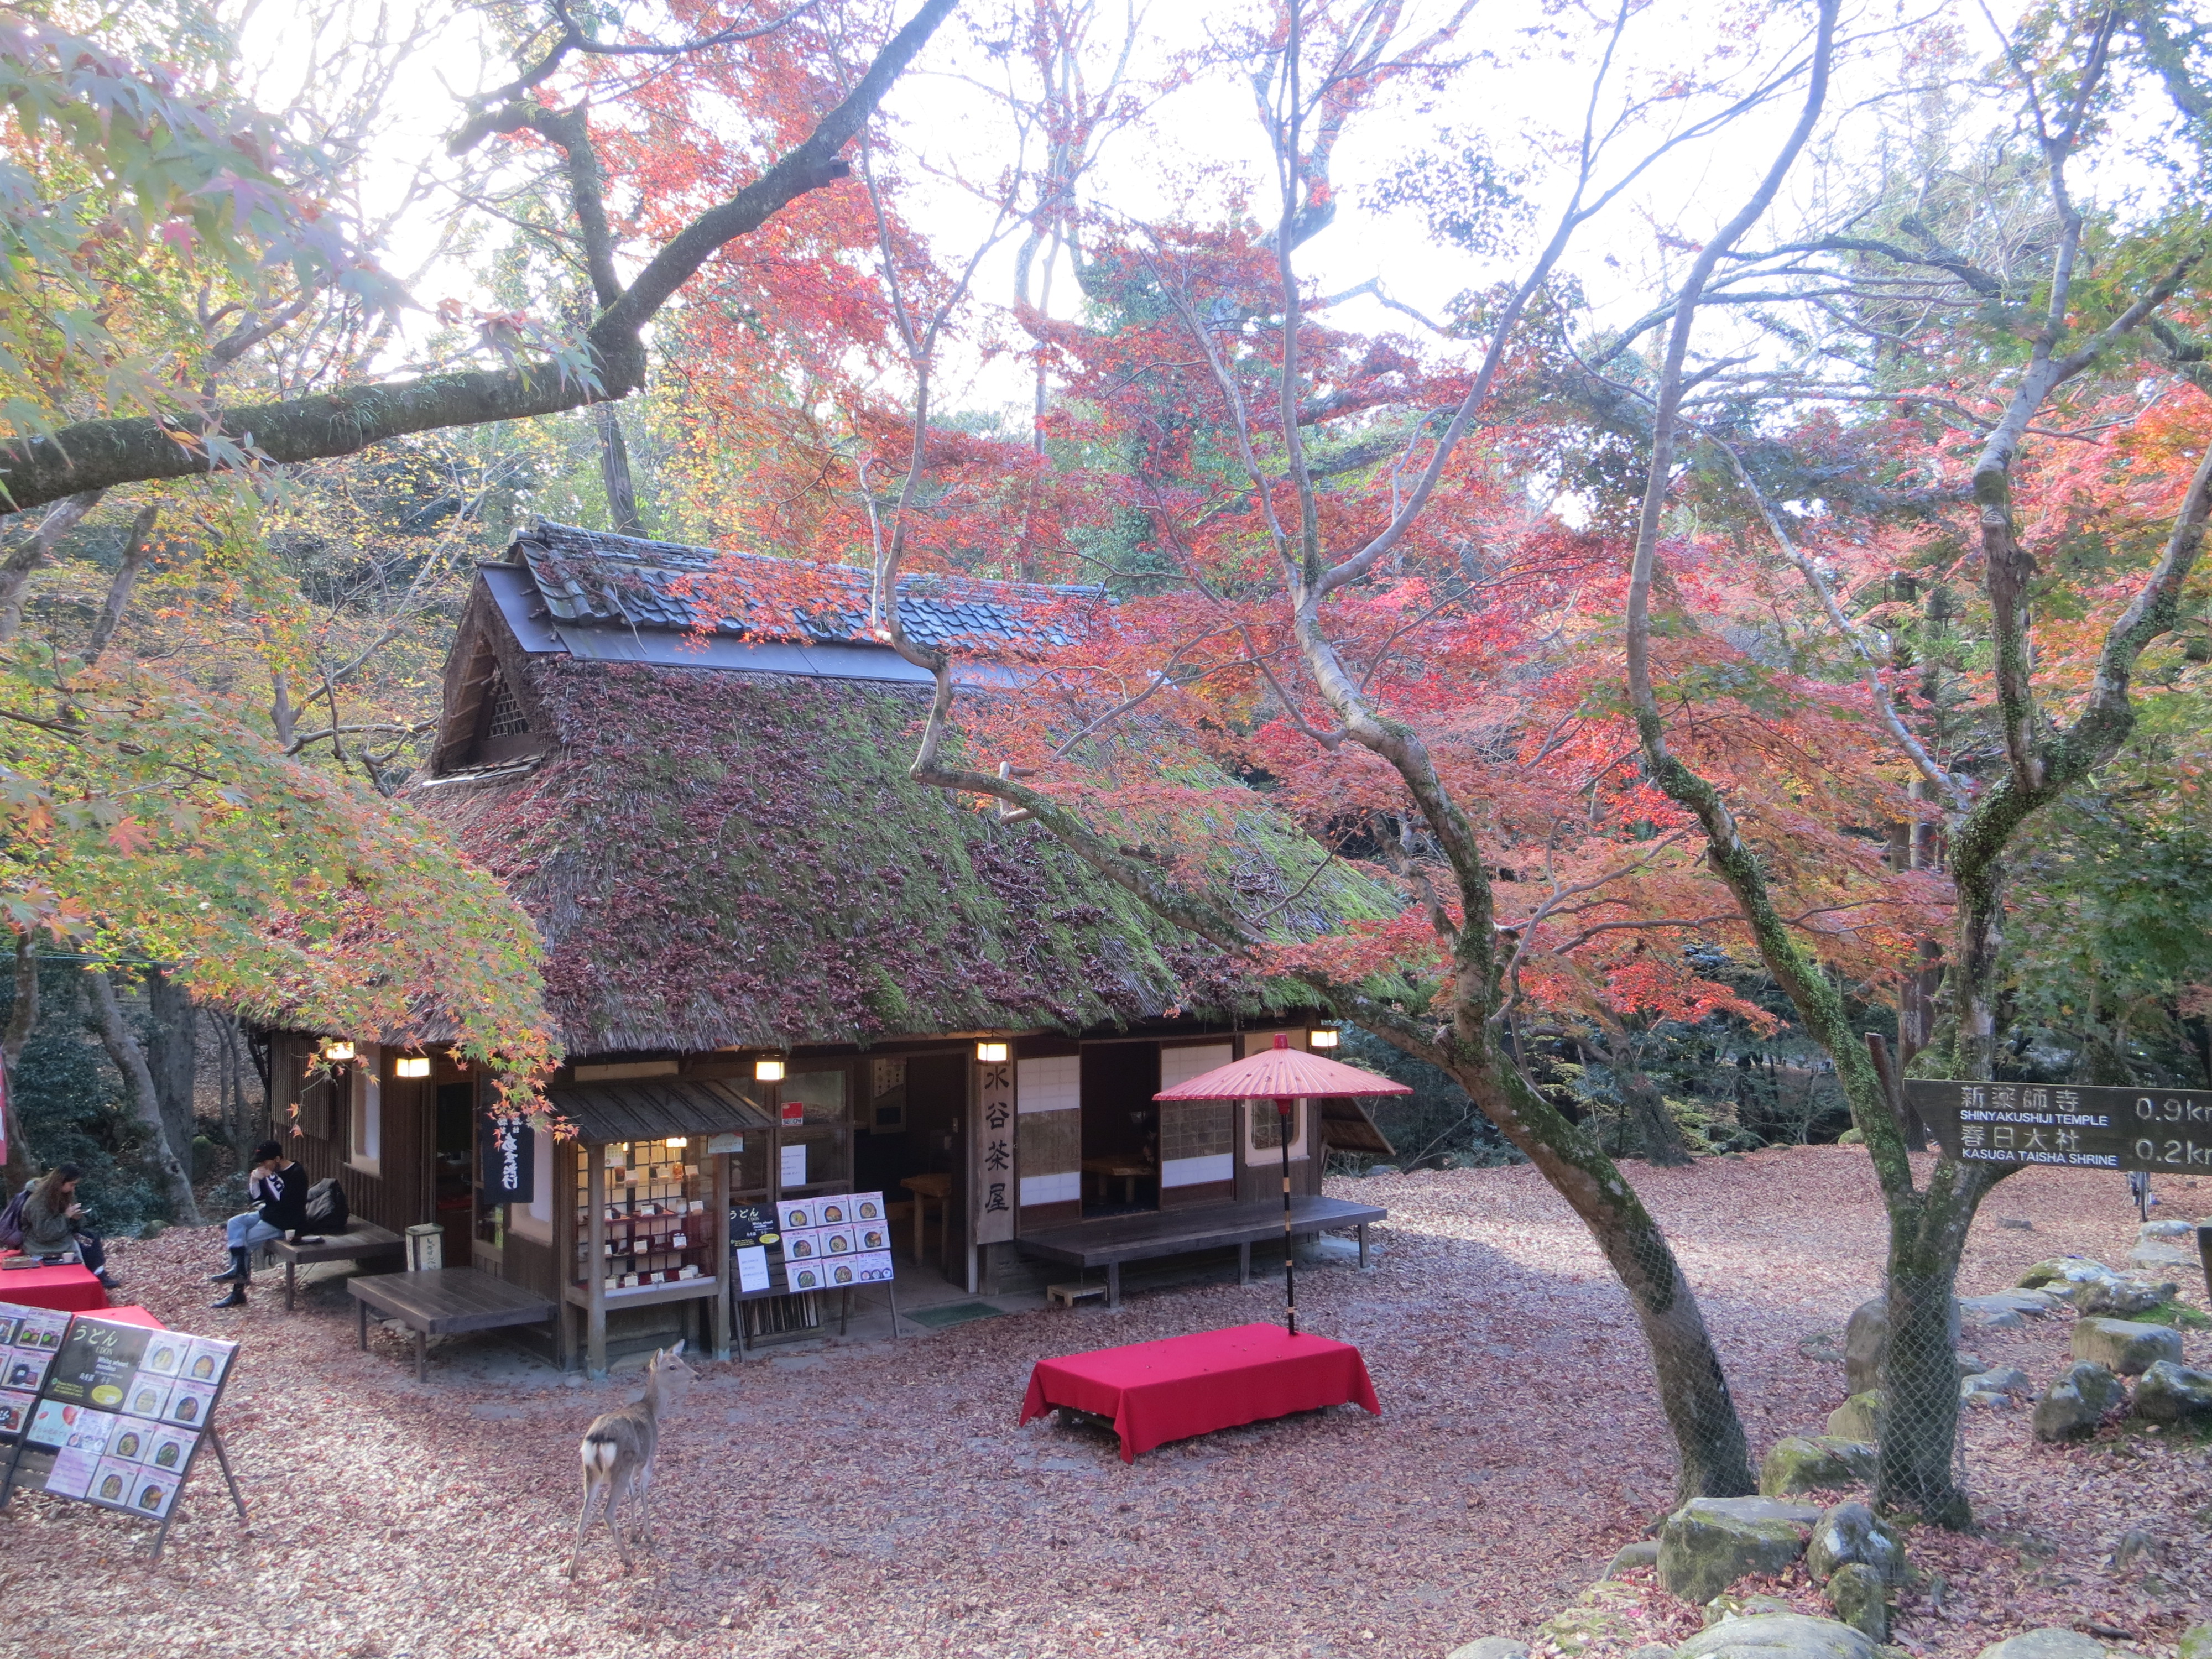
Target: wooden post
[(1290, 1265), (595, 1263), (720, 1230)]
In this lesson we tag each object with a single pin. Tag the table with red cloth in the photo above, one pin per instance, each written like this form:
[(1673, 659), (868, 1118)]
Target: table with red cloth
[(65, 1289), (133, 1315), (1156, 1392)]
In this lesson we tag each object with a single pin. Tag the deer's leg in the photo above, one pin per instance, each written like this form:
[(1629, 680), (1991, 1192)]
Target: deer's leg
[(644, 1504), (583, 1520), (618, 1481)]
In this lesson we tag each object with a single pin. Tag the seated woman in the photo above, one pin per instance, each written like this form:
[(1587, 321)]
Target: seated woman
[(282, 1187), (53, 1223)]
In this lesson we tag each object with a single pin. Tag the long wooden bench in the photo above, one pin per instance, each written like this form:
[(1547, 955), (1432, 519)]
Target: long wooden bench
[(363, 1241), (1110, 1241), (445, 1300)]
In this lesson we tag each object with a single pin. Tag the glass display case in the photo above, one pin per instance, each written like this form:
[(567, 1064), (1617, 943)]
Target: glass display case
[(660, 1228)]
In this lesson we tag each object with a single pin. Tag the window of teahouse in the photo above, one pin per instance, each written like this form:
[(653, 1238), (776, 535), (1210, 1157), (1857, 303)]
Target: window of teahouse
[(365, 1110), (817, 1143), (658, 1231), (1264, 1132)]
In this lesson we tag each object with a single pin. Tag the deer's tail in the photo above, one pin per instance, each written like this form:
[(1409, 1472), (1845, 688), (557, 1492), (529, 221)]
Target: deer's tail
[(600, 1453)]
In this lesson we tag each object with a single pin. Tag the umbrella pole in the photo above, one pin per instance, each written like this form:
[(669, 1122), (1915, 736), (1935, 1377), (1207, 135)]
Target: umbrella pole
[(1290, 1266)]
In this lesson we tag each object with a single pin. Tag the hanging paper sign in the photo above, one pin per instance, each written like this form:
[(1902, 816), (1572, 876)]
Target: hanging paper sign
[(509, 1171), (792, 1165), (991, 1190)]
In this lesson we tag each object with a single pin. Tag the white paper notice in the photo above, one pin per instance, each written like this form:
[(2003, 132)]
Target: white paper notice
[(794, 1165), (752, 1267)]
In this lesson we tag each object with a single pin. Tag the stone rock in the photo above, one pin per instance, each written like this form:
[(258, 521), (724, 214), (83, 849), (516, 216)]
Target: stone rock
[(2017, 1222), (2045, 1644), (1851, 1534), (1982, 1400), (1851, 1137), (2063, 1274), (1742, 1607), (1860, 1418), (2007, 1320), (2034, 1304), (2122, 1299), (1802, 1463), (1711, 1542), (1866, 1340), (1653, 1651), (2164, 1230), (2153, 1257), (2126, 1346), (2135, 1545), (2005, 1379), (1643, 1553), (1778, 1636), (2172, 1392), (2073, 1407), (1860, 1600), (1967, 1365), (2196, 1642), (1601, 1616), (1491, 1647)]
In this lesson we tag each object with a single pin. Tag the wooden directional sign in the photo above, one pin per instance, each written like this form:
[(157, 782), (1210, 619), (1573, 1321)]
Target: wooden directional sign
[(2159, 1131)]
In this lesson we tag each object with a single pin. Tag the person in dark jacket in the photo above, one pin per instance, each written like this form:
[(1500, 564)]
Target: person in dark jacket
[(53, 1222), (282, 1186)]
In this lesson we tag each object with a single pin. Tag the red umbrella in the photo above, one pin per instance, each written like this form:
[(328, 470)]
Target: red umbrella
[(1284, 1075)]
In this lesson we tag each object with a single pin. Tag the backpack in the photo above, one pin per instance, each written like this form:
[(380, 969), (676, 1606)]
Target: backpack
[(326, 1206), (11, 1220)]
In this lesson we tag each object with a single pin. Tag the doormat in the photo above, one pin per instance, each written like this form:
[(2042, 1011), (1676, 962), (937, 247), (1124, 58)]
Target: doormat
[(951, 1313)]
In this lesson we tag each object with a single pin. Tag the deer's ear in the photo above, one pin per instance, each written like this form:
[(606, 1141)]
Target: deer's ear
[(677, 1353)]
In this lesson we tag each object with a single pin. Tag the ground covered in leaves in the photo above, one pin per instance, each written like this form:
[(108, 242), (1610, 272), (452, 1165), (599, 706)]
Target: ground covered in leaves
[(877, 1499)]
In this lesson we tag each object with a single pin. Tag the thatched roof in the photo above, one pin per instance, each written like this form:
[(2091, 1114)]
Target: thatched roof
[(717, 857)]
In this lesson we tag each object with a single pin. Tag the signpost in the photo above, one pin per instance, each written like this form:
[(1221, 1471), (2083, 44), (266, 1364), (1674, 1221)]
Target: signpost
[(116, 1414), (2150, 1131)]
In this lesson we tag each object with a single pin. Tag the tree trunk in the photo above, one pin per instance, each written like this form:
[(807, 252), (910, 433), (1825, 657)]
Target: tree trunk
[(615, 474), (138, 1089), (1916, 1472), (22, 1020), (1662, 1136), (172, 1057)]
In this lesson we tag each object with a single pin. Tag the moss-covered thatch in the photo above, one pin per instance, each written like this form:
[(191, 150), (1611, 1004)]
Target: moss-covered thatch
[(724, 859)]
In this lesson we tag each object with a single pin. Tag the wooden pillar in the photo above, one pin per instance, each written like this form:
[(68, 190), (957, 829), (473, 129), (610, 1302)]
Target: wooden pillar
[(720, 1325), (595, 1265), (566, 1242)]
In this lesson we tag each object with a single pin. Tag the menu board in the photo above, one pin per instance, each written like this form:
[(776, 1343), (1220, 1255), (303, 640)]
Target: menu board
[(29, 1338), (121, 1408)]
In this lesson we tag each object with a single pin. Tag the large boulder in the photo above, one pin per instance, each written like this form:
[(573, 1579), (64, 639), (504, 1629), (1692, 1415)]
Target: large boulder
[(1822, 1463), (1851, 1534), (1729, 1605), (2122, 1299), (2026, 1304), (2045, 1644), (1711, 1542), (2174, 1394), (2073, 1407), (1866, 1340), (2063, 1275), (1860, 1418), (2126, 1346), (1860, 1597), (1778, 1636)]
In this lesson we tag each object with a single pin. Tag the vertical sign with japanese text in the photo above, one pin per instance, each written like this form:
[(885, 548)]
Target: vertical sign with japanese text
[(992, 1189), (509, 1169)]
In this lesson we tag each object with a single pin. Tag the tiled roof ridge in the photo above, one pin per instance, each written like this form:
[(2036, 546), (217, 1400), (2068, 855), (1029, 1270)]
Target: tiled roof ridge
[(682, 556)]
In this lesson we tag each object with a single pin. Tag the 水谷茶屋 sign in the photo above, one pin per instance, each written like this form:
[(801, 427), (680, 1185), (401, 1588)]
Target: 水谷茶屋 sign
[(2153, 1130)]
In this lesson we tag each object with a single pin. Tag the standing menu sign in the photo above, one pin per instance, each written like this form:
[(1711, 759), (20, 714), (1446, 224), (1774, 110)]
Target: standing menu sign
[(2151, 1130), (120, 1412)]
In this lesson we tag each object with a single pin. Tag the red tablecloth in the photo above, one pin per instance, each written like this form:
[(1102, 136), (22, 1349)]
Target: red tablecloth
[(65, 1289), (1156, 1392)]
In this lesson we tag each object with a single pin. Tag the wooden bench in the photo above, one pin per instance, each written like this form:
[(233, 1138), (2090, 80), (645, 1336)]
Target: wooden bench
[(363, 1241), (445, 1302), (1110, 1241)]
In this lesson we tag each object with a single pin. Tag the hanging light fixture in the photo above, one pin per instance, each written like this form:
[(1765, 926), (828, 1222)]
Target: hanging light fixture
[(990, 1053), (1322, 1037), (415, 1066), (768, 1068), (337, 1053)]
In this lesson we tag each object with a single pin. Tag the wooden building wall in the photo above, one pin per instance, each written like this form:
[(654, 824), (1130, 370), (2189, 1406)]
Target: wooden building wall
[(402, 1191)]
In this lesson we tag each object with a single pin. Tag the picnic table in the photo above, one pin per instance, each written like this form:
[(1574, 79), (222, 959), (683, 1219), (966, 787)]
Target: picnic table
[(443, 1302), (66, 1289), (1156, 1392)]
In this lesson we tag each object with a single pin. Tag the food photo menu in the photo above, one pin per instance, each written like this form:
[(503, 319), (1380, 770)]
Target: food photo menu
[(122, 1408), (29, 1338)]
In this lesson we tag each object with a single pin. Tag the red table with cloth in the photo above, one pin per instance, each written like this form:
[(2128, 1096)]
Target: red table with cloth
[(133, 1315), (1156, 1392), (65, 1289)]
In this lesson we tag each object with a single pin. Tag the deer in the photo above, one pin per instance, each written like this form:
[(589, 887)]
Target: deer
[(618, 1450)]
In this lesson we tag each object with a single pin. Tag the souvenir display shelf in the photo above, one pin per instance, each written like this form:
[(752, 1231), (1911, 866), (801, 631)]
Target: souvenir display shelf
[(660, 1220)]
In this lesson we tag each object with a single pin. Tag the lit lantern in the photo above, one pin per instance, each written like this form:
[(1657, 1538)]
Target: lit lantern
[(768, 1068), (990, 1053), (676, 1140), (1321, 1037), (337, 1053), (414, 1065)]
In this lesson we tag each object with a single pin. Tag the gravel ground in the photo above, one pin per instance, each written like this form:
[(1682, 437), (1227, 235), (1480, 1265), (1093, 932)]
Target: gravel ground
[(876, 1499)]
